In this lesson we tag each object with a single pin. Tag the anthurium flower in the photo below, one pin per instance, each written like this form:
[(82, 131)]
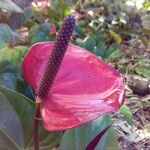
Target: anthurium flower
[(84, 87)]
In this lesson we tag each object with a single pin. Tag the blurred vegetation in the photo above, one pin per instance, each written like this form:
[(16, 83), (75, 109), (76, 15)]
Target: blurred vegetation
[(107, 28), (117, 31)]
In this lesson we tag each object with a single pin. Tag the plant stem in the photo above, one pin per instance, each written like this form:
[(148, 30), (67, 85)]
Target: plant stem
[(35, 126)]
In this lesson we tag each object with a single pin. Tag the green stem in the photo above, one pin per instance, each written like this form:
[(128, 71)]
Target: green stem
[(35, 126)]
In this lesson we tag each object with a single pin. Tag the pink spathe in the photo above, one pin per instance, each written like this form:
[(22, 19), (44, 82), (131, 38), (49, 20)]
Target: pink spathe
[(85, 87)]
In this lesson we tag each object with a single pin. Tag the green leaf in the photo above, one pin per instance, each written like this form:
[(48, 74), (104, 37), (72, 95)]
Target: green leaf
[(101, 45), (97, 139), (8, 36), (8, 80), (58, 10), (12, 55), (146, 5), (16, 115), (143, 67), (113, 51), (5, 34), (40, 33), (115, 36), (112, 143), (100, 49), (79, 138), (89, 43), (10, 60), (78, 31), (127, 114)]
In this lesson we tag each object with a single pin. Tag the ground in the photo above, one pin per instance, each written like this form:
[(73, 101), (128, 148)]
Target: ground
[(136, 137)]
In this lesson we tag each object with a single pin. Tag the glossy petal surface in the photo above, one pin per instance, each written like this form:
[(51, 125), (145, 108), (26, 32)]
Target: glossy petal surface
[(84, 88)]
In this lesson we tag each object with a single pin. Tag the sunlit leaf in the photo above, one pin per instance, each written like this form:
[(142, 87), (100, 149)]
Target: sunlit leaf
[(112, 143), (112, 51), (115, 36), (127, 114), (143, 68), (12, 55)]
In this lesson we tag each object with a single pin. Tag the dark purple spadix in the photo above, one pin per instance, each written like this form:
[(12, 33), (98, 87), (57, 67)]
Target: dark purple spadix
[(56, 56)]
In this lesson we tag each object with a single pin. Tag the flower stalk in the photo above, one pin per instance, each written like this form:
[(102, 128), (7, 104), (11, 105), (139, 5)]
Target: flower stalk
[(35, 126), (52, 67), (56, 56)]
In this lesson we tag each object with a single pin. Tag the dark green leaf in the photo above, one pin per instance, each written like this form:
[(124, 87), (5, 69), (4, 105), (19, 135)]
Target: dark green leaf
[(94, 142), (101, 45), (113, 51), (89, 43), (78, 138), (16, 115), (100, 49), (8, 80), (78, 31), (40, 33)]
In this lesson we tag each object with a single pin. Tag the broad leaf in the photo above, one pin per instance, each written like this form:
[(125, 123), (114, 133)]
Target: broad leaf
[(78, 138), (113, 51), (94, 142), (101, 44), (112, 143), (78, 31), (100, 49), (89, 43), (16, 115)]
